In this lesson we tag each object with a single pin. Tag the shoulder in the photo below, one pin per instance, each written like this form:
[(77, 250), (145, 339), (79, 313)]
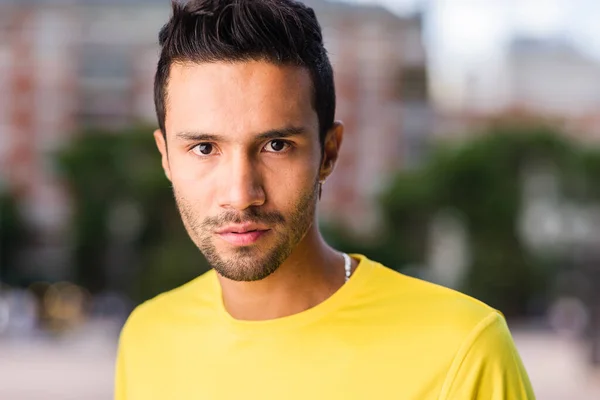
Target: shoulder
[(173, 306), (488, 364), (156, 324), (461, 340), (419, 295), (470, 338), (420, 303)]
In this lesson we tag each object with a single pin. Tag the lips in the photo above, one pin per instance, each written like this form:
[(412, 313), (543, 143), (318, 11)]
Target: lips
[(242, 238), (242, 235), (252, 230)]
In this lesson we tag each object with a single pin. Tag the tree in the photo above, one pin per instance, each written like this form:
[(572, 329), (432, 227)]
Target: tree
[(126, 229), (13, 236), (480, 180)]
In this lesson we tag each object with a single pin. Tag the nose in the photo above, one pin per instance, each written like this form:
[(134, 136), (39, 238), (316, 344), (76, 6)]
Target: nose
[(241, 185)]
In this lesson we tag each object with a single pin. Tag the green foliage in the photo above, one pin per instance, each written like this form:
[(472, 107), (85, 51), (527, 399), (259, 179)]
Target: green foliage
[(589, 163), (481, 179), (13, 237), (105, 170)]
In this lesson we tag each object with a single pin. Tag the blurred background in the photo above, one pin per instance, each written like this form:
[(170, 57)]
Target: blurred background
[(471, 160)]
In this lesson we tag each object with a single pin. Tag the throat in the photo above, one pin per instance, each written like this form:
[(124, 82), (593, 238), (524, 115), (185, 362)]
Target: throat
[(293, 288)]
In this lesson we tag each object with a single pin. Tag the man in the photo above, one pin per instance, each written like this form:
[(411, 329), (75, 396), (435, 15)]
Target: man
[(245, 101)]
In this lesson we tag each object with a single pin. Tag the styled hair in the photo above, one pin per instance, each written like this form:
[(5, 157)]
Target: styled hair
[(281, 32)]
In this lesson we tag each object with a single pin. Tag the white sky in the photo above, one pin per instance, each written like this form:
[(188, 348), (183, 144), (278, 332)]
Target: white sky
[(467, 37), (577, 18)]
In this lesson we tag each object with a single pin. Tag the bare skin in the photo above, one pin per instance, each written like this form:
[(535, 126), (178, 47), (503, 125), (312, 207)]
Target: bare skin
[(243, 154)]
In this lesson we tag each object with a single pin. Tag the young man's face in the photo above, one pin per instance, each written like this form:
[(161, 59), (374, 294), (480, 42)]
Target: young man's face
[(244, 157)]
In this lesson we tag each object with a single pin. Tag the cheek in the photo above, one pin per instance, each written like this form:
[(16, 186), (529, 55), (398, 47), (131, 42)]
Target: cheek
[(285, 186), (193, 184)]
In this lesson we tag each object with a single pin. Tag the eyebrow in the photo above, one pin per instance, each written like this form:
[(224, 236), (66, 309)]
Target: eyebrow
[(270, 134)]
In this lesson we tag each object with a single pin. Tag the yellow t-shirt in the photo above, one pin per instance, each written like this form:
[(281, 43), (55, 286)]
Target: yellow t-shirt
[(382, 335)]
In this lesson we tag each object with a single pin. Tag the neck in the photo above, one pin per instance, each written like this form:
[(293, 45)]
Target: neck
[(311, 274)]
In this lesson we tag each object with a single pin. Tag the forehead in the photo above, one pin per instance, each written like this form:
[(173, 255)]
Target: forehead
[(238, 97)]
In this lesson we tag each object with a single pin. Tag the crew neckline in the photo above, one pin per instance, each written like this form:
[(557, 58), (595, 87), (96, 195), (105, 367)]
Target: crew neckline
[(357, 280)]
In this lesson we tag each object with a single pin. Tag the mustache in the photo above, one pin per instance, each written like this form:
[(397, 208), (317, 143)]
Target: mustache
[(249, 216)]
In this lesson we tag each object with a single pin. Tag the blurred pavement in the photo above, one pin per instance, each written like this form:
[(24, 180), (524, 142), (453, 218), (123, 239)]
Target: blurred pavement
[(76, 367), (557, 366)]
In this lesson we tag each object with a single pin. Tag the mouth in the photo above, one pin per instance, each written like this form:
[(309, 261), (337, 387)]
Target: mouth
[(242, 235)]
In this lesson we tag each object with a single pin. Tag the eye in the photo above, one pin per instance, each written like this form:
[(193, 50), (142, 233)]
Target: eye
[(203, 149), (277, 146)]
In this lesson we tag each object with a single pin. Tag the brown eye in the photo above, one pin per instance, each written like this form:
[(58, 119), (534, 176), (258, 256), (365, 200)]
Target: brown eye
[(203, 149), (276, 146)]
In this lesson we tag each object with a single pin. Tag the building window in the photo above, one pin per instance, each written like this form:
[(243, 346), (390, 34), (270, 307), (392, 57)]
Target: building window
[(413, 83), (99, 61)]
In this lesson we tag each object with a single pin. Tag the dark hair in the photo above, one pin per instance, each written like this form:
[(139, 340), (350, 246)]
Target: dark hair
[(282, 32)]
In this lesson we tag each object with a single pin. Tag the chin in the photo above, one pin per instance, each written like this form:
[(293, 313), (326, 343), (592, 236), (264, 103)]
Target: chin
[(247, 264), (242, 274)]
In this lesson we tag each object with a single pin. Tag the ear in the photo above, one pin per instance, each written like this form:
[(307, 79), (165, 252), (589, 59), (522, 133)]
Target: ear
[(331, 149), (161, 143)]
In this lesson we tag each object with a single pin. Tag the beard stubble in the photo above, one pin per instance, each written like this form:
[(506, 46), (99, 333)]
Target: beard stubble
[(254, 262)]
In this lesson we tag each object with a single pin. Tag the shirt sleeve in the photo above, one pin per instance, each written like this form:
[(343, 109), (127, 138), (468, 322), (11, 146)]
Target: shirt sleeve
[(126, 339), (488, 366), (120, 379)]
